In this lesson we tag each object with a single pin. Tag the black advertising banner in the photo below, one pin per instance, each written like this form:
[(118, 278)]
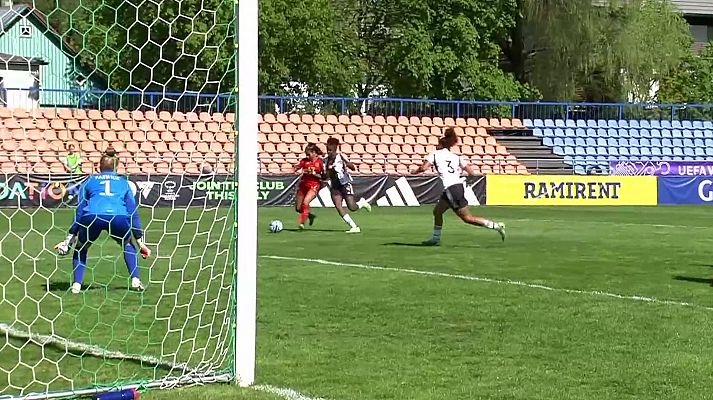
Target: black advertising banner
[(218, 190)]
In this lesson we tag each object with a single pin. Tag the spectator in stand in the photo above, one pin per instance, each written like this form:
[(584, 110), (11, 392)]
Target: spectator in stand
[(73, 161)]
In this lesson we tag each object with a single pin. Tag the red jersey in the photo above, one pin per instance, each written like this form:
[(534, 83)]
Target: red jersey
[(311, 170)]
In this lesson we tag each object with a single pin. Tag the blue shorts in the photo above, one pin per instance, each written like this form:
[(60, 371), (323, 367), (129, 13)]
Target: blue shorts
[(91, 226)]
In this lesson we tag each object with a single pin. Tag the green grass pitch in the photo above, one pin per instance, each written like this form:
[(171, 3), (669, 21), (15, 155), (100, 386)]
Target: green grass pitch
[(551, 313)]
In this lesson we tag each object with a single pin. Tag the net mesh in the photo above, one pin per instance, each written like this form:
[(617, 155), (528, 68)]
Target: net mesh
[(152, 79)]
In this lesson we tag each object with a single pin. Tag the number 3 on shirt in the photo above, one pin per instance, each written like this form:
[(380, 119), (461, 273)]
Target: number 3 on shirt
[(450, 167), (107, 188)]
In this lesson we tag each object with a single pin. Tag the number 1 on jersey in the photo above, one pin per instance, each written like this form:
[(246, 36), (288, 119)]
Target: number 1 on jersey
[(107, 188)]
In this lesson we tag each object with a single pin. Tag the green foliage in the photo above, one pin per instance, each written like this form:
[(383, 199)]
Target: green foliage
[(692, 81), (571, 49)]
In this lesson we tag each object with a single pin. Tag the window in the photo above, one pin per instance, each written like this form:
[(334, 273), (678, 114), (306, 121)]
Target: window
[(25, 31)]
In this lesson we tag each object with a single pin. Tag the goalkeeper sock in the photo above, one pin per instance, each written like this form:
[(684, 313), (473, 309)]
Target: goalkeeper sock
[(79, 260), (132, 260), (348, 219)]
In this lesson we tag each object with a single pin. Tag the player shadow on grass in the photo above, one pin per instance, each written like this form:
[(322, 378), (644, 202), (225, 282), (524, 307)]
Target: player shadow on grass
[(312, 230), (65, 286), (419, 244), (708, 281)]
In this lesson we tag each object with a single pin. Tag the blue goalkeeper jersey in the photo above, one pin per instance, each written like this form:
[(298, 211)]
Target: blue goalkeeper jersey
[(108, 194)]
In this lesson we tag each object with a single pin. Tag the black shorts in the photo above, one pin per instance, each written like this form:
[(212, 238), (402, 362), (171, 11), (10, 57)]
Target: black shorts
[(455, 196), (344, 190)]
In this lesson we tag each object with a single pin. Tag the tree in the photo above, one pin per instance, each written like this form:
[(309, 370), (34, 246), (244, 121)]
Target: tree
[(692, 81), (571, 49)]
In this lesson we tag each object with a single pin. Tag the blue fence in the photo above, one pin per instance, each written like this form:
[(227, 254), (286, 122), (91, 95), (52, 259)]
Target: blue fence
[(224, 102)]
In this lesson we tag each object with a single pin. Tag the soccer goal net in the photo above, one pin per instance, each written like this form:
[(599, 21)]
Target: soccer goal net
[(157, 80)]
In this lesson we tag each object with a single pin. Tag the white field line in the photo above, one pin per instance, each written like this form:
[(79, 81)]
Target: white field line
[(598, 293), (97, 351)]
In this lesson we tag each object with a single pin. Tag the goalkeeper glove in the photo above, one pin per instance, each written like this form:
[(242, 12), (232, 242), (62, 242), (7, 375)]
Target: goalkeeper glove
[(145, 251), (62, 247)]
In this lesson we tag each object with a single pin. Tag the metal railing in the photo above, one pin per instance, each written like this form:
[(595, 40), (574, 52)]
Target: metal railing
[(224, 102)]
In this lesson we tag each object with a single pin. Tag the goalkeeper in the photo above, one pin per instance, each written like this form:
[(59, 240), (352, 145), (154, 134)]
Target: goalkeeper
[(106, 203)]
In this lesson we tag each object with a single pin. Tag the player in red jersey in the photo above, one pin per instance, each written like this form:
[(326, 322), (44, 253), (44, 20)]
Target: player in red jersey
[(312, 169)]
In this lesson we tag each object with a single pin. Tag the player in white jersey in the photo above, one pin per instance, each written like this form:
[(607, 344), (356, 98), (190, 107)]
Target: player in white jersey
[(340, 182), (449, 167)]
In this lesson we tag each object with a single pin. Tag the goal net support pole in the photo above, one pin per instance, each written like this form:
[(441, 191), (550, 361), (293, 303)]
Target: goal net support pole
[(246, 172)]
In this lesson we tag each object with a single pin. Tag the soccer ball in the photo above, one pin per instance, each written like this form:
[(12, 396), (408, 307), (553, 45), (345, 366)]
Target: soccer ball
[(275, 226)]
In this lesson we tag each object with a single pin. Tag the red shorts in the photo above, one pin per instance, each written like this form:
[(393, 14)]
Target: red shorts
[(306, 186)]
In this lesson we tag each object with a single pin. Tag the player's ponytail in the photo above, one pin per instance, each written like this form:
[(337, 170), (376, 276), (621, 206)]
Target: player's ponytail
[(449, 139)]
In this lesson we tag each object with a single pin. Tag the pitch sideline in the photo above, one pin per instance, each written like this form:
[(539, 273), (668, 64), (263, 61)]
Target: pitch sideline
[(644, 299)]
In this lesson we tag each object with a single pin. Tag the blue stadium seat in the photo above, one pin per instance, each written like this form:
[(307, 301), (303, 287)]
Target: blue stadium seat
[(666, 124), (570, 132), (687, 133), (634, 142), (623, 151), (569, 142), (612, 142), (633, 132), (633, 123), (613, 151), (548, 132), (591, 141), (689, 152), (643, 132), (686, 124), (591, 151), (559, 132), (666, 142), (602, 132), (570, 123), (645, 151), (612, 132), (622, 123), (687, 142), (623, 142), (645, 157), (581, 123), (602, 160), (634, 151), (592, 132), (593, 124), (676, 124), (667, 151), (612, 123), (677, 133), (623, 132), (528, 122), (678, 152), (644, 124), (549, 123), (602, 151), (548, 142), (580, 142), (708, 124), (697, 124), (700, 152), (558, 150), (677, 142), (645, 142), (699, 143), (537, 132), (580, 132), (560, 123), (655, 133), (709, 151), (602, 123), (601, 141), (708, 133), (558, 141), (537, 123), (655, 124), (634, 158), (655, 152), (698, 133), (709, 142), (655, 142), (568, 151), (666, 133)]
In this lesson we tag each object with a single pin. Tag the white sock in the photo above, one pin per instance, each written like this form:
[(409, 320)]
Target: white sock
[(69, 238), (437, 232), (361, 203), (348, 219), (491, 224)]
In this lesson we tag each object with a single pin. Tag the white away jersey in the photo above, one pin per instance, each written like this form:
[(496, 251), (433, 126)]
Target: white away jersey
[(337, 169), (449, 166)]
